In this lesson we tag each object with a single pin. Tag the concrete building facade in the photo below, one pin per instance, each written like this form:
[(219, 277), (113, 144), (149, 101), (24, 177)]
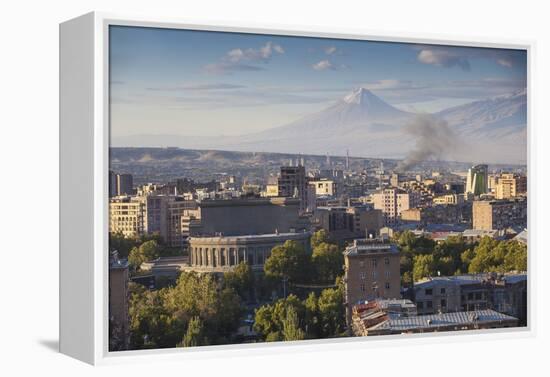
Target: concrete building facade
[(499, 214), (510, 186), (347, 222), (393, 201), (372, 271)]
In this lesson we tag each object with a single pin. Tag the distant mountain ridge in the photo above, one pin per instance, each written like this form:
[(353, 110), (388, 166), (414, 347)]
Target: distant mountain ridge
[(486, 130)]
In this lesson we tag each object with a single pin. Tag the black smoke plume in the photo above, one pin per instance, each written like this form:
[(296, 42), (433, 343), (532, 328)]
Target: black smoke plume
[(434, 139)]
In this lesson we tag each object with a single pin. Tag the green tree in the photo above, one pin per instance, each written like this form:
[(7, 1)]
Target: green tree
[(327, 262), (291, 328), (289, 261), (319, 237), (269, 319), (194, 336), (424, 266), (331, 312), (241, 279), (161, 318), (147, 251), (312, 321)]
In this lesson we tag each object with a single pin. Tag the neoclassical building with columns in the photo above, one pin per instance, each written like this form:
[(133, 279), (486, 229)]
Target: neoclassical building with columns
[(223, 253)]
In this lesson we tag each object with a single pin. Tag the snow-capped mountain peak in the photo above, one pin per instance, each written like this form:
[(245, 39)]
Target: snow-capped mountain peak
[(360, 95)]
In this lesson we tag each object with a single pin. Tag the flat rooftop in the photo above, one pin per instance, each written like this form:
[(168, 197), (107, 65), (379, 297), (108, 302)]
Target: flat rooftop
[(442, 320)]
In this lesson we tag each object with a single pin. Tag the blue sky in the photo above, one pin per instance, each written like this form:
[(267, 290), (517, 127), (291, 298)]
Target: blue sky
[(181, 82)]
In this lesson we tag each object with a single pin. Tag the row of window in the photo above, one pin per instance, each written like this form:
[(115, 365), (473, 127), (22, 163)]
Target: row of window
[(374, 286), (374, 262), (374, 274)]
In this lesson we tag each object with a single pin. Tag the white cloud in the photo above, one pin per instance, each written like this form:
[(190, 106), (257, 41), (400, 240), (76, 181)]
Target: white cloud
[(461, 57), (443, 58), (263, 53), (505, 63), (237, 59), (330, 50), (323, 65)]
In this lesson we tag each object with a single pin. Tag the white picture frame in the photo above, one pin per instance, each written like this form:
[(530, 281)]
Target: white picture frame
[(84, 143)]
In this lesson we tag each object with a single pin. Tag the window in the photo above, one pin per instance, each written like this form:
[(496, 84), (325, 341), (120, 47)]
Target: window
[(362, 264), (443, 303), (442, 291), (363, 276), (470, 296), (387, 273), (420, 305), (374, 263), (428, 292), (386, 260), (429, 304), (362, 287), (478, 295), (387, 285)]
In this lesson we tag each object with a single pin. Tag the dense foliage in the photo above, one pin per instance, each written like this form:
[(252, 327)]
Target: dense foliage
[(292, 262), (293, 319), (147, 251), (422, 257), (197, 310)]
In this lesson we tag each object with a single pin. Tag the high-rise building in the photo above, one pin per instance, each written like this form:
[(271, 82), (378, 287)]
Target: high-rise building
[(293, 184), (371, 271), (113, 187), (392, 201), (499, 214), (477, 180), (125, 184), (510, 185)]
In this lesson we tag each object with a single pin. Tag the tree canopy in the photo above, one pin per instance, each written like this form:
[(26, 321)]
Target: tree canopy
[(147, 251), (327, 261), (289, 261), (421, 257), (160, 319)]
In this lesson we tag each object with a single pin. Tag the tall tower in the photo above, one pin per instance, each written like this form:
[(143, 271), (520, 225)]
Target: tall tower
[(477, 180), (347, 159)]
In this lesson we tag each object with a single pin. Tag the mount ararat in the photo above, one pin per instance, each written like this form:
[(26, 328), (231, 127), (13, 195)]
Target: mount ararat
[(489, 130)]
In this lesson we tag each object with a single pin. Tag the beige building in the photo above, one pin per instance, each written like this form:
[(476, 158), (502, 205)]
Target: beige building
[(271, 190), (372, 271), (392, 202), (499, 214), (440, 214), (127, 216), (448, 199), (324, 187), (135, 216), (221, 253), (510, 186)]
